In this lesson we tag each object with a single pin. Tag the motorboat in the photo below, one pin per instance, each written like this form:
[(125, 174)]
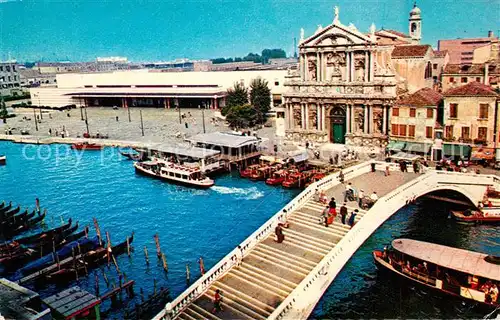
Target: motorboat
[(318, 176), (277, 178), (456, 272), (248, 171), (86, 146), (191, 177), (3, 160), (484, 215)]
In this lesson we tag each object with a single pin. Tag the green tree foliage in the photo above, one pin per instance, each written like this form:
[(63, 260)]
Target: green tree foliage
[(236, 96), (240, 117), (260, 98), (272, 54), (3, 110)]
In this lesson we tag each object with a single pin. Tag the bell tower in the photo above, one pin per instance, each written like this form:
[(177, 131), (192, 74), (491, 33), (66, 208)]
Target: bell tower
[(415, 24)]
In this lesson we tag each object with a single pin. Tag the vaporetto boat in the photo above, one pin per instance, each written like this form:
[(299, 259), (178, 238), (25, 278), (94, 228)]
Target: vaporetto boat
[(175, 173)]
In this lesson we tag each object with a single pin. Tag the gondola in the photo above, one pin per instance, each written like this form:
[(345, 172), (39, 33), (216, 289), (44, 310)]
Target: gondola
[(24, 226), (2, 204), (3, 160), (56, 237), (72, 269), (18, 219), (43, 235), (12, 212), (5, 209)]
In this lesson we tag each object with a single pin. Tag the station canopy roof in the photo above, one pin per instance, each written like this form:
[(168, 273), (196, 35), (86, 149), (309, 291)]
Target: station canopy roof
[(469, 262), (185, 151), (224, 139), (149, 92)]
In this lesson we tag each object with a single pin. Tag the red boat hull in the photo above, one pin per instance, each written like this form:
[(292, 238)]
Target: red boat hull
[(275, 181), (82, 146)]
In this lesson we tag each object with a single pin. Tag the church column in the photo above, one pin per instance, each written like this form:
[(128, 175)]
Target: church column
[(302, 114), (323, 117), (318, 67), (348, 118), (372, 66), (318, 117), (367, 66), (370, 119), (301, 66), (347, 66), (306, 123), (365, 120), (306, 68), (292, 120), (323, 67), (352, 66), (384, 120)]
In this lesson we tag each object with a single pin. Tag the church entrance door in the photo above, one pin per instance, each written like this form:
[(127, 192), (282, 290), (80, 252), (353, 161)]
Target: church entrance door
[(338, 123)]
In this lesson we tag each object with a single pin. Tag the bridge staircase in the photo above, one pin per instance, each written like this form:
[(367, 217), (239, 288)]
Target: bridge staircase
[(271, 270)]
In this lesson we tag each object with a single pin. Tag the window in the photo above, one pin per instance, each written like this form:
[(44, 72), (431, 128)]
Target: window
[(7, 68), (478, 79), (411, 130), (394, 129), (276, 83), (448, 132), (14, 68), (9, 78), (428, 71), (463, 80), (15, 78), (465, 133), (413, 112), (428, 132), (482, 133), (430, 113), (483, 110), (435, 66), (402, 130), (453, 110), (395, 112), (1, 68), (452, 79)]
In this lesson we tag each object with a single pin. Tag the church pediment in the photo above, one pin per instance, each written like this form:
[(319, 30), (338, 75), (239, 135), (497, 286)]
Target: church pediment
[(336, 35)]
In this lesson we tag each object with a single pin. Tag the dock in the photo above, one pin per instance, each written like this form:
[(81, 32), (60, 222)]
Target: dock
[(20, 303), (72, 302)]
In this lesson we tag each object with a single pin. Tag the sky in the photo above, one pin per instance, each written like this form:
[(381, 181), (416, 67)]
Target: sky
[(157, 30)]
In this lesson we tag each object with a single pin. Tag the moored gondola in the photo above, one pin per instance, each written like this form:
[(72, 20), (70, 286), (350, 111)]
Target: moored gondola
[(12, 212), (5, 209), (43, 235)]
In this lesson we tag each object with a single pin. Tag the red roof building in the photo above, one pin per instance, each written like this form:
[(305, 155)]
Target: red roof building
[(471, 89)]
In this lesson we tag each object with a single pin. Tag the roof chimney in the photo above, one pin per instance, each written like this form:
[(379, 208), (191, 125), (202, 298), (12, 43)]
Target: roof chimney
[(490, 34)]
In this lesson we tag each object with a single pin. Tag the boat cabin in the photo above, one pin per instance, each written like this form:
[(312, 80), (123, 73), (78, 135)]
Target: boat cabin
[(17, 302), (458, 272), (204, 159)]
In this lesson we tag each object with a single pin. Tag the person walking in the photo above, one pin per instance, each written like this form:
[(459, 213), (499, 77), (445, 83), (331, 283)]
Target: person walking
[(353, 217), (341, 176), (348, 193), (361, 195), (217, 301), (278, 233), (333, 206), (387, 171), (343, 213), (324, 216)]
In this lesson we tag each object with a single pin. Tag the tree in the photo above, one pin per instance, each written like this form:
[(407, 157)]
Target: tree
[(236, 96), (3, 111), (272, 54), (240, 117), (260, 98)]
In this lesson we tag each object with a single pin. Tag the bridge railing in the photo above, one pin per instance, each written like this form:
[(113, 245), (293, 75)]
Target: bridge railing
[(342, 252), (173, 308)]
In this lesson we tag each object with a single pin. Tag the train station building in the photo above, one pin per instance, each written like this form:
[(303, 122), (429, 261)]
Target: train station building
[(151, 88)]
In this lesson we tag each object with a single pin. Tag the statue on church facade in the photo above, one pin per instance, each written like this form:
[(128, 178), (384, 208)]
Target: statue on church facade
[(314, 117), (297, 116), (377, 120), (312, 68), (335, 63), (359, 67), (359, 120)]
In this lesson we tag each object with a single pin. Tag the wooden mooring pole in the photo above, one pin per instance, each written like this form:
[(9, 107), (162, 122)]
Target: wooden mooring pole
[(146, 255), (128, 246), (188, 273), (98, 231), (164, 259), (157, 242)]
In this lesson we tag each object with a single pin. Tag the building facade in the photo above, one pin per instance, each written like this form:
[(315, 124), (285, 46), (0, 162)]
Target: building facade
[(461, 51), (348, 81), (471, 115), (456, 75), (415, 117), (10, 81)]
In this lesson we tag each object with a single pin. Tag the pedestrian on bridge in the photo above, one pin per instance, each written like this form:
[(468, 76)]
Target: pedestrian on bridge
[(333, 206), (217, 301), (324, 216), (352, 218), (343, 213)]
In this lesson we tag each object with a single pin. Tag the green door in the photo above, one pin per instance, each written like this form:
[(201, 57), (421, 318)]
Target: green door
[(338, 133)]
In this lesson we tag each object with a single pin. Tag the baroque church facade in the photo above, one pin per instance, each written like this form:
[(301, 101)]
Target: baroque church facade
[(345, 84)]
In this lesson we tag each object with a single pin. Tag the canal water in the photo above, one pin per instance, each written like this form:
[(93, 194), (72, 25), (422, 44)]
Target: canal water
[(190, 223), (209, 223)]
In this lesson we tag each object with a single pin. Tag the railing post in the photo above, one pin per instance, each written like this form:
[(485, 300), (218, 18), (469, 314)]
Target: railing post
[(168, 311)]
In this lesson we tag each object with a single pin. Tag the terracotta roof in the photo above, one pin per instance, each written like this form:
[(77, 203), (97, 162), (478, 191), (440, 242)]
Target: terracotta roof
[(410, 51), (471, 89), (399, 34), (422, 98), (440, 54), (471, 69)]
